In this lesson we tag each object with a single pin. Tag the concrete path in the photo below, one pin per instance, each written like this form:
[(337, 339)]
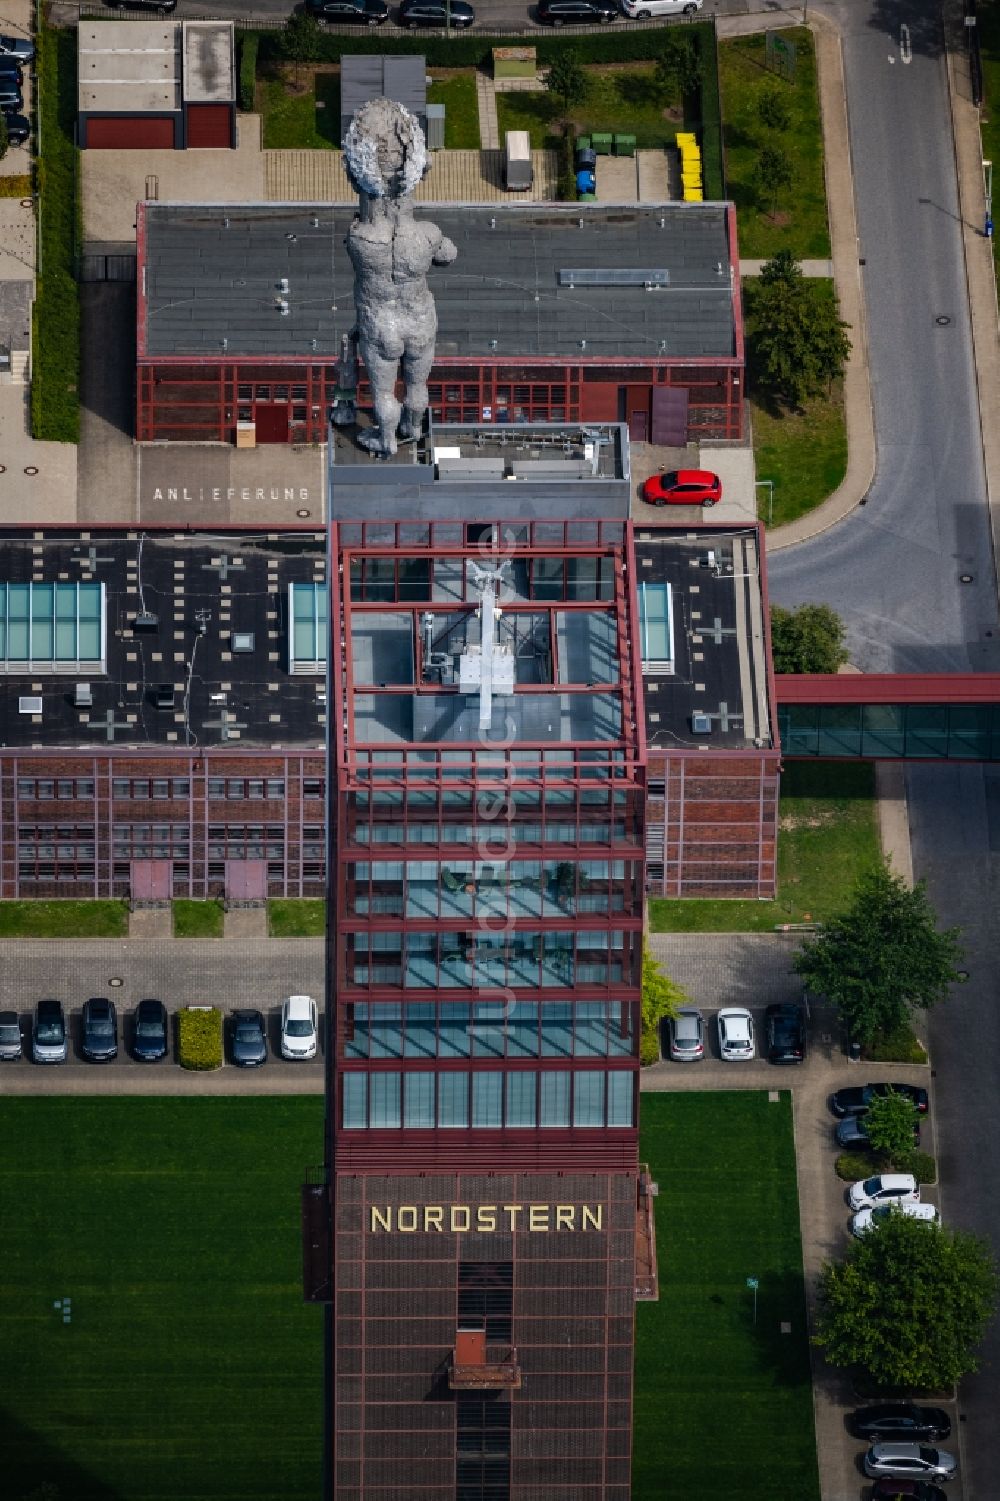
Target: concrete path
[(808, 268)]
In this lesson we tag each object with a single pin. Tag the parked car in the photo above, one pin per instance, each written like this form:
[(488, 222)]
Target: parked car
[(901, 1420), (21, 47), (856, 1101), (576, 12), (249, 1039), (48, 1040), (349, 12), (683, 487), (865, 1219), (149, 1042), (641, 10), (99, 1040), (11, 70), (18, 129), (11, 98), (298, 1027), (436, 13), (158, 7), (916, 1461), (884, 1188), (736, 1039), (907, 1490), (786, 1032), (852, 1133), (687, 1035), (10, 1037)]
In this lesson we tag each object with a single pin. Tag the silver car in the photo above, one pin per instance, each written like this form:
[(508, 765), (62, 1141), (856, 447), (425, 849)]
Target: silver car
[(910, 1462), (687, 1035)]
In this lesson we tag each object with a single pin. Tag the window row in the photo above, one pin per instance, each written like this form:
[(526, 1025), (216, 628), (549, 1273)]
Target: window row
[(530, 799), (492, 961), (498, 834), (490, 1029), (466, 888), (46, 789), (246, 789), (487, 1100), (139, 789), (577, 578)]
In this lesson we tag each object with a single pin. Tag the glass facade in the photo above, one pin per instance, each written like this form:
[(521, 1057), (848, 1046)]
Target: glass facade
[(915, 732), (488, 1099), (490, 1029), (307, 636)]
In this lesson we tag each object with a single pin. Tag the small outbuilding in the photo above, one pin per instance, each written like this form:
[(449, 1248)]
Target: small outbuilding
[(156, 85), (365, 76), (517, 167)]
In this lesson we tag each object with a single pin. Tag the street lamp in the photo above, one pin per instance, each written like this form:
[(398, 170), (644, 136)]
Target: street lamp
[(988, 185)]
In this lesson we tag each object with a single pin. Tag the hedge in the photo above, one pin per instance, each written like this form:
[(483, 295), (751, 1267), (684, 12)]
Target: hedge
[(709, 125), (248, 70), (199, 1038), (55, 341)]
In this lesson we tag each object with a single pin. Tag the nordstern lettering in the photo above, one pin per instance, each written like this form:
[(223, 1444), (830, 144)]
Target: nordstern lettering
[(484, 1219)]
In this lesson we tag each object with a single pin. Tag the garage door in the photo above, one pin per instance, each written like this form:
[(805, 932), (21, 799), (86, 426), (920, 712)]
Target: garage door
[(209, 125), (138, 133)]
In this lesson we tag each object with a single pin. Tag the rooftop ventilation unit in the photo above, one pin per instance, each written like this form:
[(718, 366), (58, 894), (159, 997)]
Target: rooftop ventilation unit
[(82, 696), (701, 724), (243, 641), (146, 621), (29, 706), (613, 276)]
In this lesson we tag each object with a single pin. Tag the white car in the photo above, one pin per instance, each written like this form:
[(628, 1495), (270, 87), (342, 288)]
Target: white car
[(884, 1188), (299, 1033), (642, 10), (863, 1221), (735, 1033)]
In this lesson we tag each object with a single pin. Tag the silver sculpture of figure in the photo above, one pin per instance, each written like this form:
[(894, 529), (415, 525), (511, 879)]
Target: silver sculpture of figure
[(386, 157)]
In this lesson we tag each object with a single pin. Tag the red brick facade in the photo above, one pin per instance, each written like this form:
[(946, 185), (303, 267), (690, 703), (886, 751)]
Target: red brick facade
[(712, 824)]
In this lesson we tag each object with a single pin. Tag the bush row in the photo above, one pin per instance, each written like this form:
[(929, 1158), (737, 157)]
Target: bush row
[(55, 334), (249, 41), (199, 1038), (709, 125), (852, 1166)]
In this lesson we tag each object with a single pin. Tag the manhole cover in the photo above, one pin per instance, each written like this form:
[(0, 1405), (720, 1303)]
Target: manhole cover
[(942, 320), (31, 469), (116, 982), (963, 974), (966, 578), (303, 512)]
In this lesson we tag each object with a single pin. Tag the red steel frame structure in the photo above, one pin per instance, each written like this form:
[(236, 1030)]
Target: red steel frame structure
[(484, 1259)]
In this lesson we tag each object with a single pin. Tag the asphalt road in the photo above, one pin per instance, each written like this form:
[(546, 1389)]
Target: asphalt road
[(892, 569)]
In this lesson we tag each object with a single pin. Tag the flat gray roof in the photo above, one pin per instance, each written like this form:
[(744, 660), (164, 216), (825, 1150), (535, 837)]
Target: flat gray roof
[(209, 74), (531, 280), (128, 67), (367, 76)]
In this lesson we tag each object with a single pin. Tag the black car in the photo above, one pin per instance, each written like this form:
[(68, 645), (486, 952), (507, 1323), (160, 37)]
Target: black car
[(249, 1039), (21, 47), (785, 1025), (436, 13), (157, 7), (99, 1040), (885, 1489), (852, 1133), (856, 1101), (577, 12), (349, 12), (901, 1420), (11, 99), (149, 1042), (10, 69), (18, 129), (10, 1037)]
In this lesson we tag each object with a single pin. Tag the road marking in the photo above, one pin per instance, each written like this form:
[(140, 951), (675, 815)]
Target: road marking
[(905, 48)]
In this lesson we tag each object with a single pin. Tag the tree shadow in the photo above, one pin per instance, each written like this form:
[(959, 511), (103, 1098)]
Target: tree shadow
[(37, 1471)]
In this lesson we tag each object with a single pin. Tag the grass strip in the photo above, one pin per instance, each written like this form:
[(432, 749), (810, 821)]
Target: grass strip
[(63, 919), (55, 342)]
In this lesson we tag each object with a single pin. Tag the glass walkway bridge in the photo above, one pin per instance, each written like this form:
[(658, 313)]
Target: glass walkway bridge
[(890, 716)]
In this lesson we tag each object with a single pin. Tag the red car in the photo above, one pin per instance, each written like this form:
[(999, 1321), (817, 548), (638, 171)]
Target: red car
[(683, 487)]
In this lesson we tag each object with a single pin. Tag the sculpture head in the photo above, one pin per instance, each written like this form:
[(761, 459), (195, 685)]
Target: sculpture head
[(385, 153)]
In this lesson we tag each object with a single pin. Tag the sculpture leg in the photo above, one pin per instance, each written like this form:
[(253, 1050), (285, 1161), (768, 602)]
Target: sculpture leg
[(382, 378), (417, 362)]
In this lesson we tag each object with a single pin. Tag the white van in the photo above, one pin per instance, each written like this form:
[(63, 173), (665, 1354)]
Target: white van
[(642, 10)]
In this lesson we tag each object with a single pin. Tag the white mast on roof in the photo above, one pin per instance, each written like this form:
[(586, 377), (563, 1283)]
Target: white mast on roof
[(492, 666)]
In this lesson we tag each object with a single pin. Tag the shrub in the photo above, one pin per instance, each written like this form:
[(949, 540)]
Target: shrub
[(922, 1165), (898, 1046), (199, 1038), (649, 1045), (248, 71), (854, 1165), (566, 184), (15, 187), (709, 123), (773, 109)]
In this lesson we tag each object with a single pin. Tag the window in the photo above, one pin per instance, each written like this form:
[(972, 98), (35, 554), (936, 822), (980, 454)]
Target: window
[(355, 1102), (307, 615), (419, 1100), (620, 1096), (384, 1090), (555, 1099), (588, 1099), (521, 1088), (453, 1099), (52, 628), (487, 1100)]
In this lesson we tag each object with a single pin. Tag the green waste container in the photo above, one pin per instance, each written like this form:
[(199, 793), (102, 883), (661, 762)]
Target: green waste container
[(586, 197), (602, 144), (583, 143), (624, 145)]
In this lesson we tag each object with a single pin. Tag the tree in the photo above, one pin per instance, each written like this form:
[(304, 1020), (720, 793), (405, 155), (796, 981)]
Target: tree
[(302, 39), (567, 81), (773, 173), (773, 108), (908, 1304), (4, 137), (798, 341), (809, 639), (882, 956), (661, 997), (890, 1120), (678, 67)]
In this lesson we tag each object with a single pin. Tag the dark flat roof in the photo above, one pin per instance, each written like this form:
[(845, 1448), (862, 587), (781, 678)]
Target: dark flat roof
[(234, 582), (655, 280), (719, 662)]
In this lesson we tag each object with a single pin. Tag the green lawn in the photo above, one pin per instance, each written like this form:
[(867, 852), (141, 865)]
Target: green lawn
[(803, 453), (296, 918), (292, 119), (799, 221), (198, 919), (191, 1367), (622, 98), (63, 919), (828, 833), (723, 1406), (457, 92)]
